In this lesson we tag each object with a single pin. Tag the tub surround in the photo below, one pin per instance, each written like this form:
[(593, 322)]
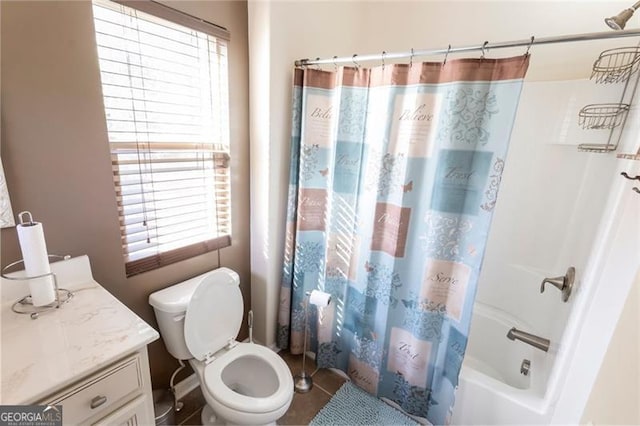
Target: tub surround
[(492, 388), (93, 331)]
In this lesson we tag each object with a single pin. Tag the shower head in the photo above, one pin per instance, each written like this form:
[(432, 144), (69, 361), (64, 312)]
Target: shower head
[(618, 21)]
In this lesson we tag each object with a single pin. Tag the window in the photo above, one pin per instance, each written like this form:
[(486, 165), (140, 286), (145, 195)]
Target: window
[(165, 91)]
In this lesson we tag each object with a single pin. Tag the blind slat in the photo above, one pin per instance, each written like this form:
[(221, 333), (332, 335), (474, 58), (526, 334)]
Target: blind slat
[(164, 182), (153, 261), (178, 232), (133, 190), (140, 219), (140, 189), (158, 170), (142, 228), (193, 157), (183, 239)]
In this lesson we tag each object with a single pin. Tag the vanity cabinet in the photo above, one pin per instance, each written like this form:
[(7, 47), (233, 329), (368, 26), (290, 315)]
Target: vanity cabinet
[(89, 355), (119, 394)]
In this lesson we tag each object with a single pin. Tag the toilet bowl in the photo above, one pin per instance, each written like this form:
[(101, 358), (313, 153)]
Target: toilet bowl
[(199, 319), (244, 386)]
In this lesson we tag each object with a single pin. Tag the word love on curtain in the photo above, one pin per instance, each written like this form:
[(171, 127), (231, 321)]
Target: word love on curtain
[(394, 176)]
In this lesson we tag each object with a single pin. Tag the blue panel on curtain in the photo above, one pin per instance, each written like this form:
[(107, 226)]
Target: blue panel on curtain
[(393, 180)]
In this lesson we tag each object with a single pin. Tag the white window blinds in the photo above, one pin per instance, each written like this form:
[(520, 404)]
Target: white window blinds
[(165, 90)]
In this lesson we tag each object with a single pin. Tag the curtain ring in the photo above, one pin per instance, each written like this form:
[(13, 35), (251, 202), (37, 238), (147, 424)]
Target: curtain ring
[(529, 47), (353, 59), (335, 66), (484, 49), (446, 56), (411, 59), (318, 65), (383, 53)]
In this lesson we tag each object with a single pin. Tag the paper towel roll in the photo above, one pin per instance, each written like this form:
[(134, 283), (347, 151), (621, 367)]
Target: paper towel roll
[(319, 298), (36, 261)]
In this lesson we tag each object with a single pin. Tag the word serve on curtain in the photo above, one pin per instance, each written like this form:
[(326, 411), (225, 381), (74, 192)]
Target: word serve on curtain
[(394, 176)]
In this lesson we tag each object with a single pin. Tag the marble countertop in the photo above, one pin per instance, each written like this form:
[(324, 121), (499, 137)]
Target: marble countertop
[(89, 332)]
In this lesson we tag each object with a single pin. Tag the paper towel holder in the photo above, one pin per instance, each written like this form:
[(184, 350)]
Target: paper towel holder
[(24, 305), (21, 218)]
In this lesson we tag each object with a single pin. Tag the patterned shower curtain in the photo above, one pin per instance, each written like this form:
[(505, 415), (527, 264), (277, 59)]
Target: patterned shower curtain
[(394, 176)]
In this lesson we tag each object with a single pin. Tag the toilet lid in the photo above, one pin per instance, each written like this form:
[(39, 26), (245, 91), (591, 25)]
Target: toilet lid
[(214, 314)]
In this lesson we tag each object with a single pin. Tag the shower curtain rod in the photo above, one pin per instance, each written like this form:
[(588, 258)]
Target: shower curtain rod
[(483, 47)]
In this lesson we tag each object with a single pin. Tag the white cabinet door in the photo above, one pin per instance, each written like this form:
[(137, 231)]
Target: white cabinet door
[(131, 414)]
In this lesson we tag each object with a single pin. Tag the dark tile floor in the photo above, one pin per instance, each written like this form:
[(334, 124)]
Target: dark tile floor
[(192, 408), (304, 406)]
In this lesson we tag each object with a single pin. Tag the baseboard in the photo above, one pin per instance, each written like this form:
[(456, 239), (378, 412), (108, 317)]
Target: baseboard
[(186, 385), (274, 348), (341, 373)]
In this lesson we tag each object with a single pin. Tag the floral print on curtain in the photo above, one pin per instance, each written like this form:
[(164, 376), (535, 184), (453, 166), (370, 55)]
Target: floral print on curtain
[(393, 180)]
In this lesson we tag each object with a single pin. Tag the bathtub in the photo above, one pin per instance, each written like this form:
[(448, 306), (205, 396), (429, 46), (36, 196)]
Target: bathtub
[(491, 389)]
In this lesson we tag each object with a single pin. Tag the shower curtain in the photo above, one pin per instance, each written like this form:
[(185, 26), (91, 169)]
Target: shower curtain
[(393, 181)]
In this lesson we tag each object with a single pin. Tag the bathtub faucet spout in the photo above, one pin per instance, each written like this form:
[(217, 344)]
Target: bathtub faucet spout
[(530, 339)]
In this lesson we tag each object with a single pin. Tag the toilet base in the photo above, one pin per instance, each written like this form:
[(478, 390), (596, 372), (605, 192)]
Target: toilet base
[(210, 418)]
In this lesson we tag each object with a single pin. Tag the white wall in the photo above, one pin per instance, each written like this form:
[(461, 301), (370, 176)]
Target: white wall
[(280, 33), (616, 392)]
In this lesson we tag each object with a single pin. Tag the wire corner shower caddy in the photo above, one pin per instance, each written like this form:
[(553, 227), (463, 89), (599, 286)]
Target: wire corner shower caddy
[(613, 66)]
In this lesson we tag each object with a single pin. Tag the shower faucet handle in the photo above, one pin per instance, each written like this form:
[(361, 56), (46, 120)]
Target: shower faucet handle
[(563, 283)]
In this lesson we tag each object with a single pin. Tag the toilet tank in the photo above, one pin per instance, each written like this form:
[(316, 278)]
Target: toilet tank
[(170, 306)]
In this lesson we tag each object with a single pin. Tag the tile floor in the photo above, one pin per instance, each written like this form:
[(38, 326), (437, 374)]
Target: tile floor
[(304, 406)]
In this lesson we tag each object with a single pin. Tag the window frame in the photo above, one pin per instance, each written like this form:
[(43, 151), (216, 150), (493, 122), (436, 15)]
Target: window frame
[(220, 159)]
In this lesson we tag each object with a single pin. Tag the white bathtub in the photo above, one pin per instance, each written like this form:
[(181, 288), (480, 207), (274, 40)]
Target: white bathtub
[(491, 389)]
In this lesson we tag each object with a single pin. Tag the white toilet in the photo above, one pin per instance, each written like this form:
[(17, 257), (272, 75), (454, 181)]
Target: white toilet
[(199, 319)]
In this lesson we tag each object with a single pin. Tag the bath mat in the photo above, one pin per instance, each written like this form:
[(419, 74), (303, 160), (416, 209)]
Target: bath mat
[(353, 406)]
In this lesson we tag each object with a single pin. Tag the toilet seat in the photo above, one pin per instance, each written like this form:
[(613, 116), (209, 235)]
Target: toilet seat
[(214, 315), (221, 392)]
